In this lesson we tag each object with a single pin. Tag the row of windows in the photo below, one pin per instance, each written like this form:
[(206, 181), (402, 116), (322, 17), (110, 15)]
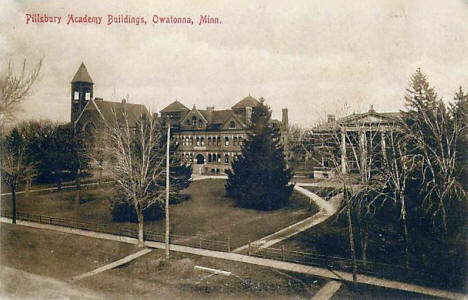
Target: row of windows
[(212, 158), (198, 122), (76, 96), (211, 141)]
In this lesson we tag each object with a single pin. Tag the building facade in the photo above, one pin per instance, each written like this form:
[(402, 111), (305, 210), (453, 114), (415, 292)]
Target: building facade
[(208, 139), (211, 139), (352, 144)]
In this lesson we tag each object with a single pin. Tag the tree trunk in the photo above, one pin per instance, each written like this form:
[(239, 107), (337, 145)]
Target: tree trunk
[(351, 241), (78, 187), (28, 186), (405, 231), (13, 204), (444, 221), (141, 242), (364, 242), (59, 183), (100, 174)]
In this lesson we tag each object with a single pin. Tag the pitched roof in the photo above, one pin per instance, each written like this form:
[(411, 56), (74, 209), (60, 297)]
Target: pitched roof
[(174, 106), (248, 101), (356, 118), (134, 111), (82, 75)]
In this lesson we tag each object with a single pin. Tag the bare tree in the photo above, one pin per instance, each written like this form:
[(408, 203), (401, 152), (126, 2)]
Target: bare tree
[(138, 162), (397, 168), (434, 135), (15, 87), (14, 164), (300, 145)]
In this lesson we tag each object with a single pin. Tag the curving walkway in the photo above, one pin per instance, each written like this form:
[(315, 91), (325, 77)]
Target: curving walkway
[(326, 210)]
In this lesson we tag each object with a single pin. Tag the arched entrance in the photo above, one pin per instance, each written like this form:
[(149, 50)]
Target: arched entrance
[(200, 159)]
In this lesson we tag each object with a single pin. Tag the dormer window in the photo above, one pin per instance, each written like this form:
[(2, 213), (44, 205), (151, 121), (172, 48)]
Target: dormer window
[(232, 124), (194, 121), (88, 96), (76, 96)]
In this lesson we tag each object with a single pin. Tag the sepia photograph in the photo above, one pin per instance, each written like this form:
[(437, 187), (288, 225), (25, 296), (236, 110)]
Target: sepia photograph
[(219, 149)]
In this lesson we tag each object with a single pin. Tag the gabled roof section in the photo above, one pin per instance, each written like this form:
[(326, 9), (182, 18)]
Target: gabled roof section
[(194, 111), (233, 117), (362, 119), (248, 101), (108, 108), (174, 107), (82, 75)]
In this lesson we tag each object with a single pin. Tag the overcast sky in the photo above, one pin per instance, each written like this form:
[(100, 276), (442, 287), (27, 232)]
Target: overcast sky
[(313, 57)]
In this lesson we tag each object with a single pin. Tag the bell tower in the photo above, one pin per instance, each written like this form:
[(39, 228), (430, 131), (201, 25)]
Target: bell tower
[(81, 91)]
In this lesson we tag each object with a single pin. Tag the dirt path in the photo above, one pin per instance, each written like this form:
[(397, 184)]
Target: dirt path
[(328, 290), (114, 264)]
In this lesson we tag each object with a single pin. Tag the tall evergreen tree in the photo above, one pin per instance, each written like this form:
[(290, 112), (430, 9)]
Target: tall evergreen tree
[(433, 136), (260, 178)]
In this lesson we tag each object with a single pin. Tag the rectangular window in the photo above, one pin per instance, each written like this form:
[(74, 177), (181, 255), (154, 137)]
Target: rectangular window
[(76, 96), (88, 96)]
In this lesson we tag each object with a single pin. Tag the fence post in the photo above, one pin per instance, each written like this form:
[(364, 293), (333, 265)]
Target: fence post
[(282, 252), (229, 244), (249, 248), (40, 219)]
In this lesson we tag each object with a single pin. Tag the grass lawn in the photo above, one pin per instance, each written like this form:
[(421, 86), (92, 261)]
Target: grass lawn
[(208, 214), (62, 256), (54, 254)]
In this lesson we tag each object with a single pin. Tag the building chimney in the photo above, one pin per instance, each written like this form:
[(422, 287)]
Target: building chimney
[(248, 114), (284, 120), (124, 101), (331, 118), (209, 113)]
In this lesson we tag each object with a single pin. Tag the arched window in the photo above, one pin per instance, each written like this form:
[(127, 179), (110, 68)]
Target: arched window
[(194, 121), (200, 124), (226, 158), (226, 141), (89, 129), (219, 158), (218, 140), (232, 124), (234, 142), (209, 157), (202, 141), (191, 140), (209, 140), (198, 141)]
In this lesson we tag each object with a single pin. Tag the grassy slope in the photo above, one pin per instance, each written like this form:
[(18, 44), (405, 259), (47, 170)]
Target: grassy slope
[(208, 213), (61, 256), (54, 254)]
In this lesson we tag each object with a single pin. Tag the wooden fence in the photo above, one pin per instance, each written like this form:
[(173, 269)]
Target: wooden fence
[(372, 268)]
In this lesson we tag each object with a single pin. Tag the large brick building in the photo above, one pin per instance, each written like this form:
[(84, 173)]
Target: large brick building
[(208, 139)]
